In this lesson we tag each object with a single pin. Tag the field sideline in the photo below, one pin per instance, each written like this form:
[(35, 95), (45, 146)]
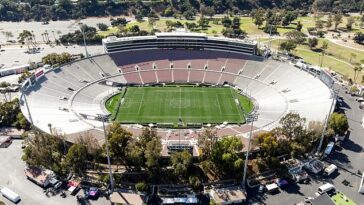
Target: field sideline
[(191, 104)]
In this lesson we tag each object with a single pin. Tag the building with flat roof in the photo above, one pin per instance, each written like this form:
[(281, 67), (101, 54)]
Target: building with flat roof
[(228, 195), (126, 198)]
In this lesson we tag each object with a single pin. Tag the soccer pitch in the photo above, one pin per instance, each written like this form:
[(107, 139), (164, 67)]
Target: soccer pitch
[(169, 104)]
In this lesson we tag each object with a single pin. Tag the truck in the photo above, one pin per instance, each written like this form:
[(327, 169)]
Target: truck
[(272, 188), (330, 169), (39, 176), (9, 194)]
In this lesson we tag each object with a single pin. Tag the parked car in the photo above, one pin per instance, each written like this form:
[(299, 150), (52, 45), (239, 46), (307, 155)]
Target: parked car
[(330, 169), (92, 193), (326, 188), (53, 181), (58, 185), (261, 189), (308, 199)]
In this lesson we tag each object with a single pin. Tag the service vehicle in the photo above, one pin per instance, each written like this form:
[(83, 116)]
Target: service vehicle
[(9, 194)]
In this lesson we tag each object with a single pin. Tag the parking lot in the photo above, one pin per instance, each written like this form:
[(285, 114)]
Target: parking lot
[(349, 158), (14, 56), (12, 176)]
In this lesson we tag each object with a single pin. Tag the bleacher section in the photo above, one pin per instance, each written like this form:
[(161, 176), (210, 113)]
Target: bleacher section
[(64, 96)]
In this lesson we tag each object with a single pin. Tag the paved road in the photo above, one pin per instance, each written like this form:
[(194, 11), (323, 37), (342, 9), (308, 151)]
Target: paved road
[(350, 158), (12, 176)]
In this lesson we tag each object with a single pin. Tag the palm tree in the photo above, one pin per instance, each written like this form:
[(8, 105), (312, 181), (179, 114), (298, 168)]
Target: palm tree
[(324, 47), (50, 127)]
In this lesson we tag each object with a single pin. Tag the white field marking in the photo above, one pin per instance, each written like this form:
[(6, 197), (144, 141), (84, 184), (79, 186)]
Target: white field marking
[(174, 116), (180, 102), (218, 102), (141, 103), (241, 119)]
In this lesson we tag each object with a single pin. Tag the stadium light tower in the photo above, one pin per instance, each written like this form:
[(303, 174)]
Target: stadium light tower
[(84, 38), (22, 94), (251, 118), (326, 122), (103, 119)]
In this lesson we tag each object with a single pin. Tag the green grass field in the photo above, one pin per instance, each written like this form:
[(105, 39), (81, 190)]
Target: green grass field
[(191, 104)]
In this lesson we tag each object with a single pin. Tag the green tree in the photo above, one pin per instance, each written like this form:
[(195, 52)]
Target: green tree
[(102, 26), (236, 23), (258, 16), (226, 156), (349, 23), (268, 145), (44, 150), (54, 58), (180, 162), (359, 37), (141, 186), (287, 46), (153, 154), (338, 19), (168, 12), (299, 26), (24, 35), (296, 37), (329, 22), (269, 28), (206, 141), (118, 139), (76, 159), (312, 42), (292, 125), (191, 26), (226, 22), (195, 183), (339, 123), (207, 11), (203, 22), (119, 21), (189, 14), (324, 47), (357, 70), (11, 115)]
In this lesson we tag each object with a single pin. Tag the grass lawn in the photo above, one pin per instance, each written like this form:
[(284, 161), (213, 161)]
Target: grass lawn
[(191, 104), (338, 58), (341, 199)]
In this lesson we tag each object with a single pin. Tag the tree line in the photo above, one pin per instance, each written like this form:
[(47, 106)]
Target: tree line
[(11, 115), (220, 157), (136, 154), (66, 9), (293, 139)]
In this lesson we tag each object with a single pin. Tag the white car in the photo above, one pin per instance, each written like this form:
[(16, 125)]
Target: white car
[(308, 199)]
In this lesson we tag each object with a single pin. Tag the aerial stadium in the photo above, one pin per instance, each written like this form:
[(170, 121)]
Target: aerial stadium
[(177, 82)]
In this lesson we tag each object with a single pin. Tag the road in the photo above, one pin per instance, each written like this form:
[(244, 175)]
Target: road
[(12, 176), (349, 159)]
